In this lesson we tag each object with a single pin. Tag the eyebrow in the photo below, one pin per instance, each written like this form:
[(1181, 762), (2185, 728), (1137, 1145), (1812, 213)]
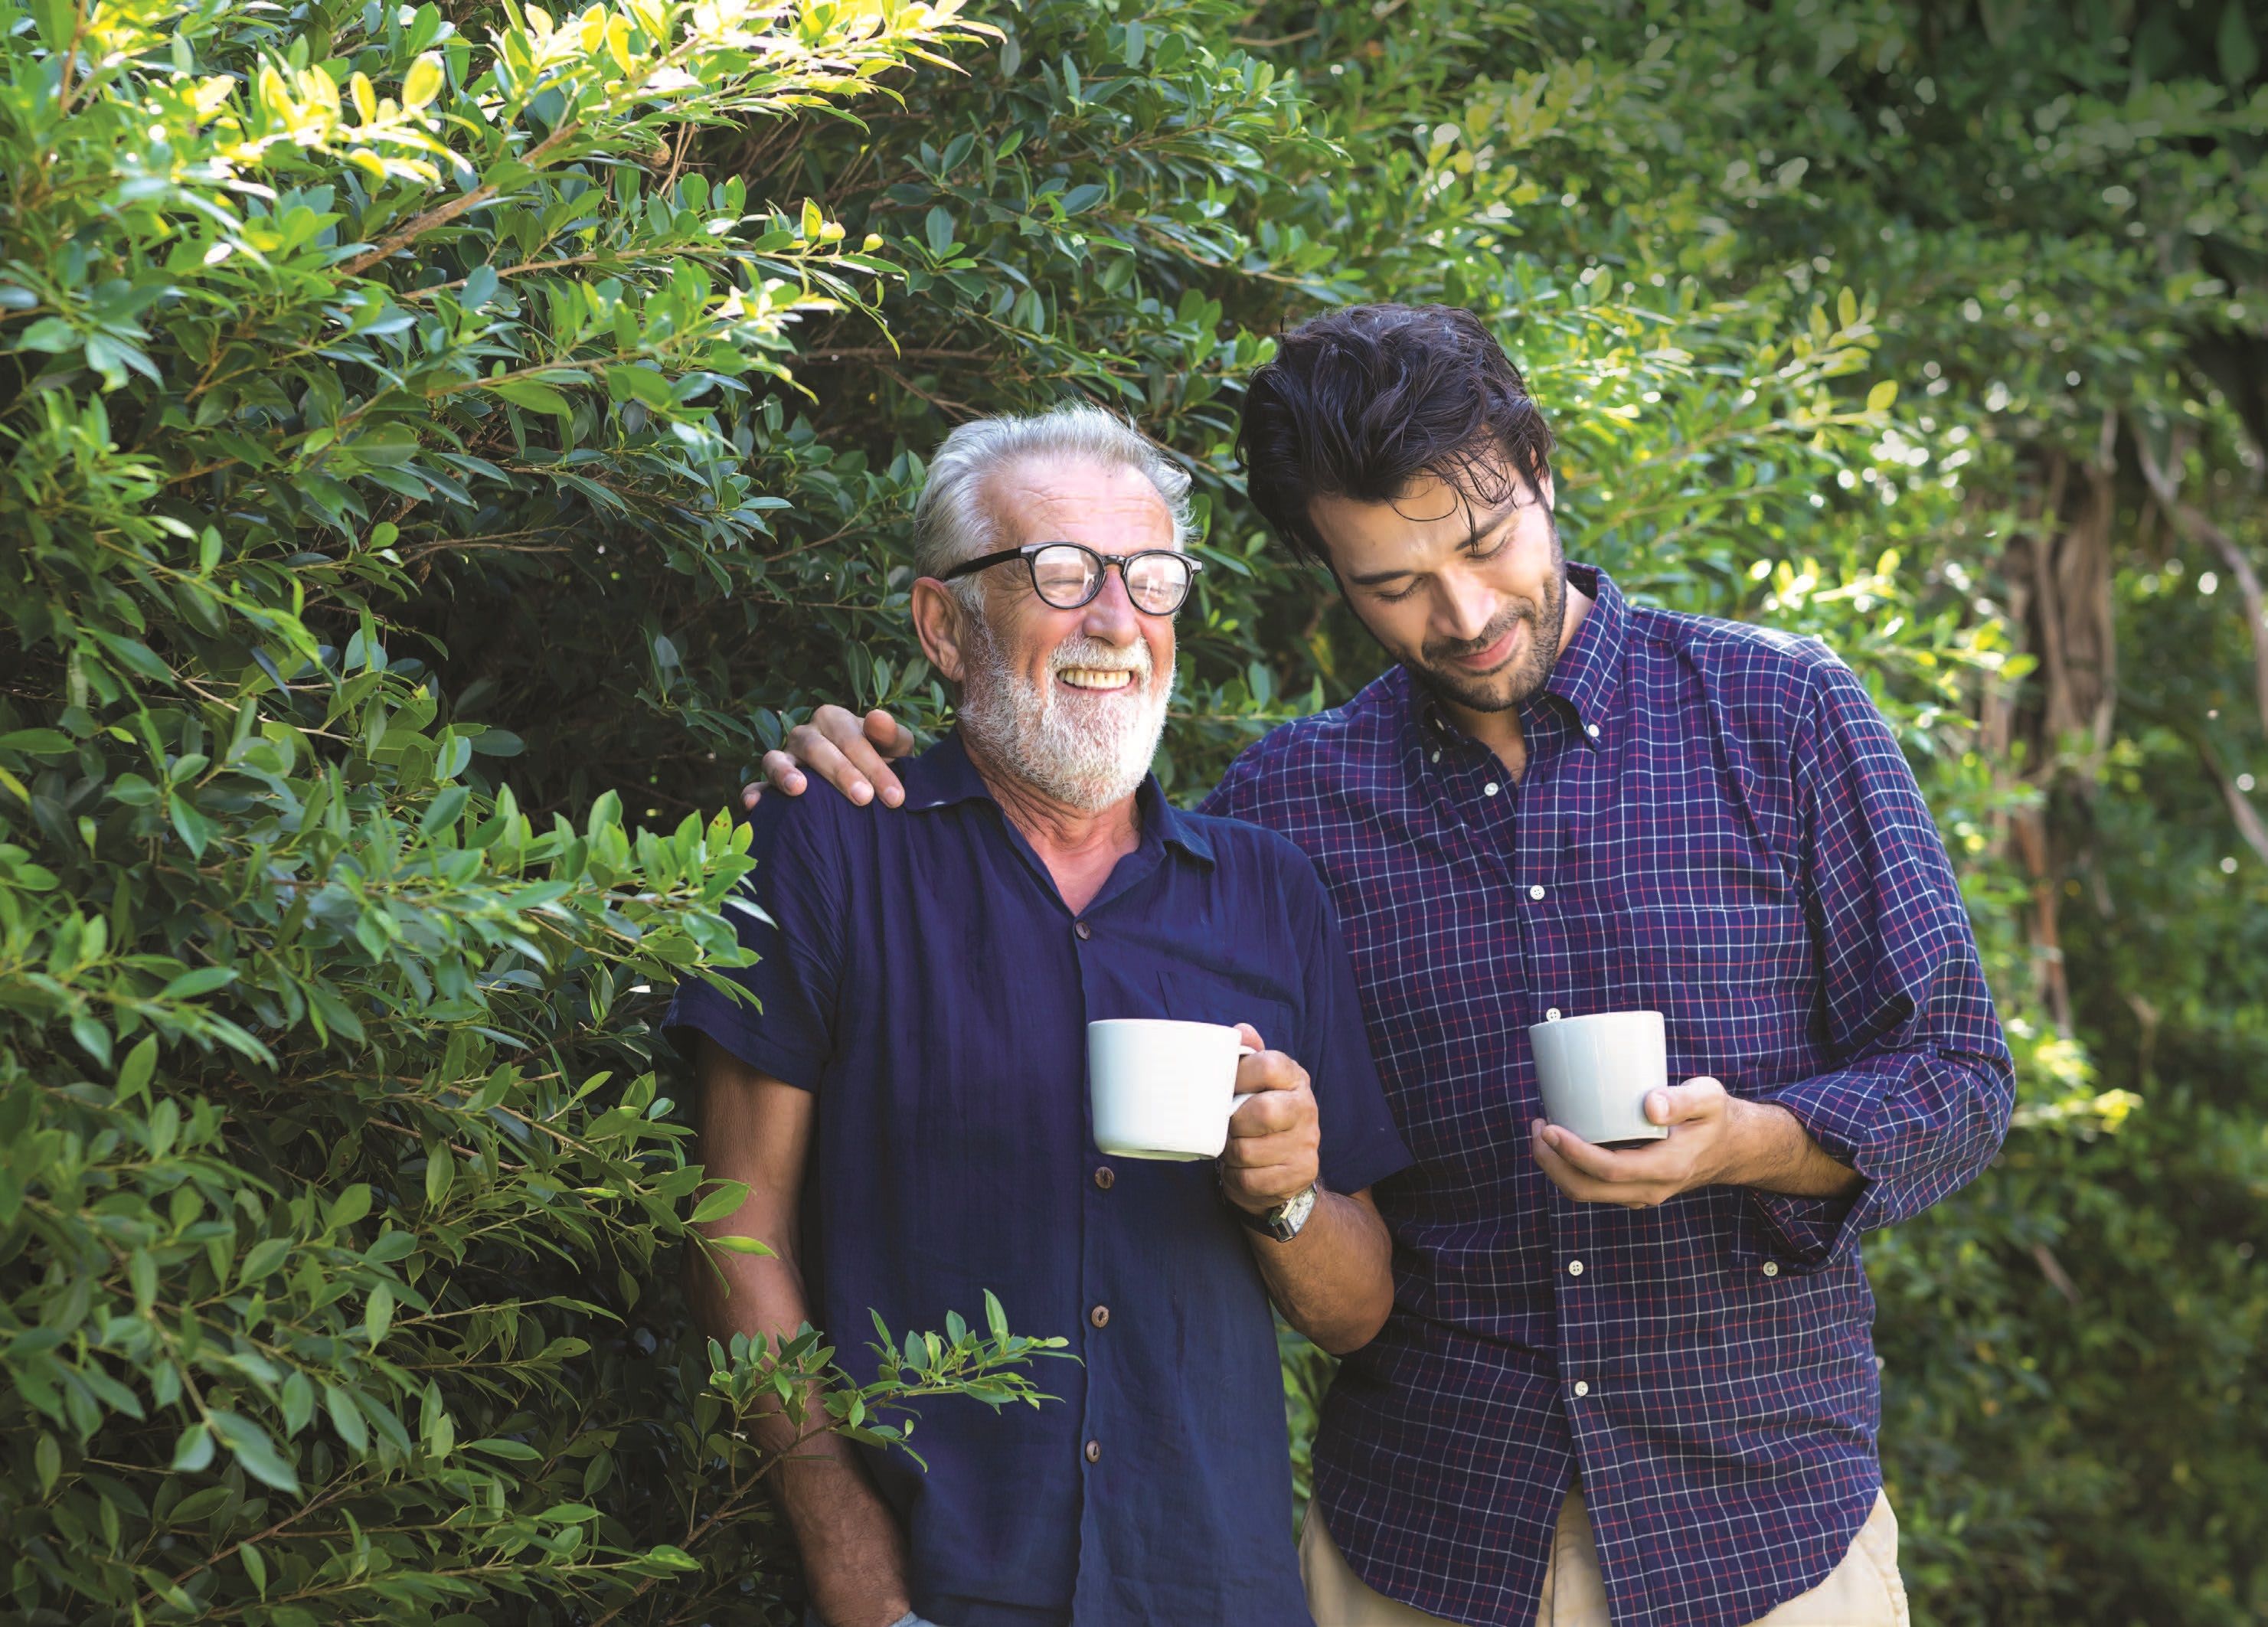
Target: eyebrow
[(1481, 527)]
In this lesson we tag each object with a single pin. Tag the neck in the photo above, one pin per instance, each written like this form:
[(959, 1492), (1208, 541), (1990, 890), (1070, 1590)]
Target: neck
[(1500, 731), (1073, 842)]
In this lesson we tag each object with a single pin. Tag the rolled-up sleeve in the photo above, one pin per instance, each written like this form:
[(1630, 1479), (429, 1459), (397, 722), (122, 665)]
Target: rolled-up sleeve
[(1921, 1087), (779, 1016)]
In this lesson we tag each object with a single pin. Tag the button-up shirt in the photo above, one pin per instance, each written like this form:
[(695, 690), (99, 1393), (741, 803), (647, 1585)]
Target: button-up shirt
[(922, 978), (1714, 822)]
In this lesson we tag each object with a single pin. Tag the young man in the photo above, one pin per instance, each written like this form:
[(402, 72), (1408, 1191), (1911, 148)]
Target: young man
[(1631, 1386), (906, 1099)]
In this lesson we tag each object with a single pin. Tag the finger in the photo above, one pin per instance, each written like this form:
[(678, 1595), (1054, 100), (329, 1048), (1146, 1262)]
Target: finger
[(1246, 1034), (815, 753), (1557, 1151), (1586, 1158), (785, 773), (751, 794), (1275, 1114), (1561, 1174), (847, 733), (1287, 1175), (1268, 1071)]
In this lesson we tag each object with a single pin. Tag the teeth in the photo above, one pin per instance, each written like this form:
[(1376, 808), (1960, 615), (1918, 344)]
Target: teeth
[(1096, 677)]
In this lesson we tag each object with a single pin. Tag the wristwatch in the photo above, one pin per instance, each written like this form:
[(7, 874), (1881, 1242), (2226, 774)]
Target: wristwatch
[(1283, 1223)]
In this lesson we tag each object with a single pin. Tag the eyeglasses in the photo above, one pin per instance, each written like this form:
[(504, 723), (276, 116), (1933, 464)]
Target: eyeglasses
[(1068, 575)]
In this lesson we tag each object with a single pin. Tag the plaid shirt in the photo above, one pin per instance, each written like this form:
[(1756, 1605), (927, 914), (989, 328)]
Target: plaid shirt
[(1716, 823)]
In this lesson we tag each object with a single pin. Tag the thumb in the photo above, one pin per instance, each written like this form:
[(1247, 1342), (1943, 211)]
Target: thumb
[(1675, 1104), (890, 737)]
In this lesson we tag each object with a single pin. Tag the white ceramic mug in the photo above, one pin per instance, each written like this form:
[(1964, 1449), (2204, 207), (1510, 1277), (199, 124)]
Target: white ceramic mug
[(1593, 1073), (1162, 1089)]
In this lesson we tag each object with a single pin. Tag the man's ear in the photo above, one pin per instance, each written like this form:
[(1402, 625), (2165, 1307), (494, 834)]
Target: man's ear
[(940, 622)]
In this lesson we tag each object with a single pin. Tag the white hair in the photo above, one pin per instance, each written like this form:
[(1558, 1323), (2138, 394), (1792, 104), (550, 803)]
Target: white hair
[(952, 521)]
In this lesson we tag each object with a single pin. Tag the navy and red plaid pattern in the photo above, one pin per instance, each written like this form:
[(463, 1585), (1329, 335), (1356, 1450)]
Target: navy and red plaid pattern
[(1716, 823)]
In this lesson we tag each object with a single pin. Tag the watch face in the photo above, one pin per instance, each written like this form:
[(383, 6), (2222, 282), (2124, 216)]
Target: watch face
[(1286, 1221)]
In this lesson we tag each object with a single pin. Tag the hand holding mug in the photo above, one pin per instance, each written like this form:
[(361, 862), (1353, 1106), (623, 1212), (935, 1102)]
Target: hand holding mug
[(1703, 1122), (1275, 1136)]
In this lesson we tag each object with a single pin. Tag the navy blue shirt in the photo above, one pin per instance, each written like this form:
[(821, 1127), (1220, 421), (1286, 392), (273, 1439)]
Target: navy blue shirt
[(922, 977)]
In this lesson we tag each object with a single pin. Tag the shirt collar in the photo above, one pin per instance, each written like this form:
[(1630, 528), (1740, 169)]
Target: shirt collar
[(944, 776), (1589, 670), (1584, 677)]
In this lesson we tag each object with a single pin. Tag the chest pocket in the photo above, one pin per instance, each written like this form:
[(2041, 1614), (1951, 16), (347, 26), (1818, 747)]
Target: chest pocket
[(1189, 993)]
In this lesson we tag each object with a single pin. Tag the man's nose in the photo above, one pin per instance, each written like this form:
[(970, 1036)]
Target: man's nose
[(1110, 614), (1466, 606)]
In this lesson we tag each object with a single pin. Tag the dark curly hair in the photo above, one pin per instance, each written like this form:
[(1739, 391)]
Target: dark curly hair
[(1358, 402)]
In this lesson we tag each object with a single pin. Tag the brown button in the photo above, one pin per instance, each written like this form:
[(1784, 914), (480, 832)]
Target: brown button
[(1104, 1176), (1100, 1316), (1082, 928), (1094, 1452)]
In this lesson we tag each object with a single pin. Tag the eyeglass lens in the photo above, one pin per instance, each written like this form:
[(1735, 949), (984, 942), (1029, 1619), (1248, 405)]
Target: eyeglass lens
[(1068, 576)]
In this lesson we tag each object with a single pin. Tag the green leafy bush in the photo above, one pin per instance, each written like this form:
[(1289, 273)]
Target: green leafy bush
[(339, 1203)]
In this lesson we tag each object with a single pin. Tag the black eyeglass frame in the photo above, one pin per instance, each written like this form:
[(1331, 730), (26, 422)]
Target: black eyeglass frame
[(1029, 554)]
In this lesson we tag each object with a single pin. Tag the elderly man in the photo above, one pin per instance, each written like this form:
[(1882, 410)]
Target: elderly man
[(1634, 1386), (907, 1099)]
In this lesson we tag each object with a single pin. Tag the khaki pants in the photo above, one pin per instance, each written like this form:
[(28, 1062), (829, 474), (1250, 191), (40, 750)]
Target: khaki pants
[(1864, 1591)]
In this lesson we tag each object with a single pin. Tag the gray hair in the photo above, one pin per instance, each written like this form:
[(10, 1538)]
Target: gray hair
[(953, 522)]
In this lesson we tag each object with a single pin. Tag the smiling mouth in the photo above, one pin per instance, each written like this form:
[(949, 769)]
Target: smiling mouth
[(1483, 662), (1096, 677)]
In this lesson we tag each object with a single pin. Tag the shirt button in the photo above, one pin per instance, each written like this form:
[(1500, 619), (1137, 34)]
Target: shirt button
[(1591, 729), (1581, 1388), (1100, 1316), (1094, 1452), (1536, 891), (1574, 1268), (1104, 1176), (1771, 1267), (1436, 754), (1551, 1014), (1082, 928), (1489, 789)]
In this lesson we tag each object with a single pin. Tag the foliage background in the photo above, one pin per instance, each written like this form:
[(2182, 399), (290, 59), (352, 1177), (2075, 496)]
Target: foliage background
[(341, 1202)]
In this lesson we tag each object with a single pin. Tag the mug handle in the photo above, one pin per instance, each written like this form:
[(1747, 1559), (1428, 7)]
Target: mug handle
[(1235, 1100)]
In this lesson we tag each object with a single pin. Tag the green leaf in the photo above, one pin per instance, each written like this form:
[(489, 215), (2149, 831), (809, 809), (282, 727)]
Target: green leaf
[(349, 1206), (39, 742), (936, 227), (1883, 395), (346, 1417), (263, 1258), (255, 1450), (728, 1196), (423, 81), (202, 981), (194, 1451), (533, 396), (377, 1315), (134, 1073)]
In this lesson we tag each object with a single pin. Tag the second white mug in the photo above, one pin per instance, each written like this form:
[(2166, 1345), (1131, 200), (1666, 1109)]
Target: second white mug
[(1593, 1073)]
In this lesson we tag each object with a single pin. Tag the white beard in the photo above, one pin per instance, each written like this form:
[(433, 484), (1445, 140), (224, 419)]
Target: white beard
[(1088, 749)]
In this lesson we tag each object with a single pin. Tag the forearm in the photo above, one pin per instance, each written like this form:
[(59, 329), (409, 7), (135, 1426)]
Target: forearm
[(1771, 1152), (1335, 1281), (853, 1555)]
